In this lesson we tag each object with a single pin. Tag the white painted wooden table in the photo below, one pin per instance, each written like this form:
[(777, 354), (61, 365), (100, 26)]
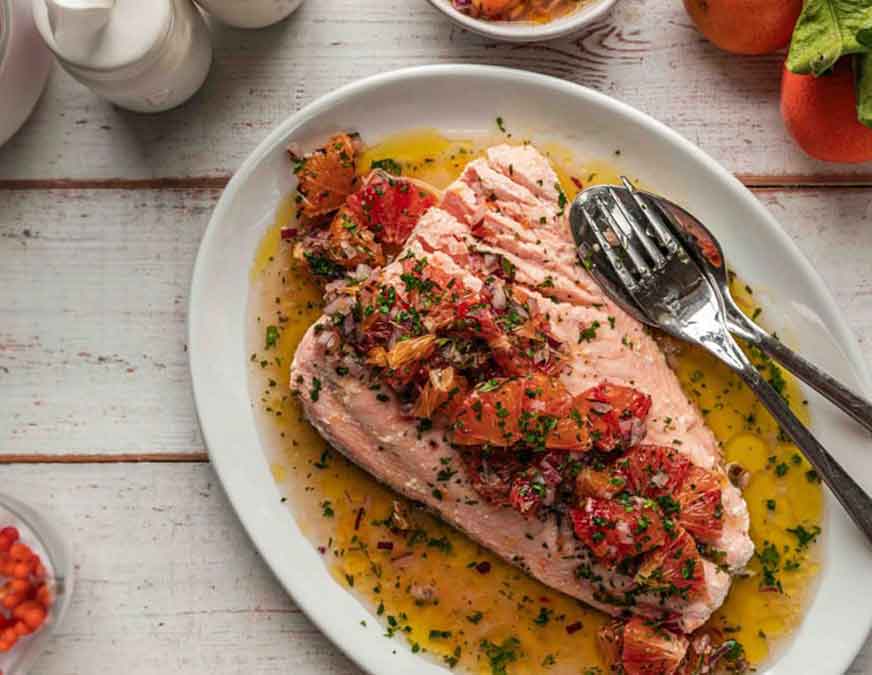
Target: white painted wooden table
[(101, 212)]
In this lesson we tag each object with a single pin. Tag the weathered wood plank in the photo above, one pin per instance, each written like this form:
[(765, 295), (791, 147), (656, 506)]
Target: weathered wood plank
[(93, 295), (647, 54), (169, 583)]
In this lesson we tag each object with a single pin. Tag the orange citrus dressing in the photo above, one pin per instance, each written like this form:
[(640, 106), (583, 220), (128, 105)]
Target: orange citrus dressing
[(473, 619)]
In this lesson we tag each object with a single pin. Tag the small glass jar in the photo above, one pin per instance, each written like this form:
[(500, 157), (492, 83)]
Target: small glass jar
[(250, 13), (44, 537), (25, 63), (154, 77)]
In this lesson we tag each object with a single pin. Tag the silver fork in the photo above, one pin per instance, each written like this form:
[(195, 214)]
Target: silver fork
[(646, 270), (704, 247)]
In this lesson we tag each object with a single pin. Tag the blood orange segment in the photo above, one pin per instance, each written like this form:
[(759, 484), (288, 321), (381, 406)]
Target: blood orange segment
[(626, 401), (675, 568), (616, 413), (326, 176), (592, 482), (615, 530), (655, 470), (546, 395), (610, 640), (701, 480), (489, 415), (389, 207), (700, 502), (569, 433), (350, 244), (702, 514), (550, 418), (651, 650)]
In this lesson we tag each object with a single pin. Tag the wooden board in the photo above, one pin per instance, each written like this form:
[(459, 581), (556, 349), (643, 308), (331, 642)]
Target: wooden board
[(647, 54), (93, 298)]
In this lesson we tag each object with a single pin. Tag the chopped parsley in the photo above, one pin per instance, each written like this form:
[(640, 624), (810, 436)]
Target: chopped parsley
[(272, 336), (322, 463), (453, 659), (322, 266), (544, 616), (489, 385), (475, 617), (804, 537), (501, 655), (588, 333), (562, 201), (733, 650), (508, 267), (688, 568), (315, 391), (389, 165)]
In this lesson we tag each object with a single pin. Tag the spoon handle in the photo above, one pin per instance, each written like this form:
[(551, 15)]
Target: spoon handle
[(852, 497), (826, 385)]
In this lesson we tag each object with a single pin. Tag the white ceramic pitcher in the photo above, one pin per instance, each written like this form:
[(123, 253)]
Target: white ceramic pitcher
[(144, 55)]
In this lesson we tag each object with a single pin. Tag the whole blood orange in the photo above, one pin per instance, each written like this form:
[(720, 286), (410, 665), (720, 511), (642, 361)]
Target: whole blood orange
[(821, 115), (746, 26)]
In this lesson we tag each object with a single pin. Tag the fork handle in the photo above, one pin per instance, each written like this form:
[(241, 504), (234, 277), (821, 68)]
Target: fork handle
[(826, 385), (851, 496)]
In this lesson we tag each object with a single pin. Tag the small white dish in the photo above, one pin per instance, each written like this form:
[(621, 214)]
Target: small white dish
[(521, 31), (463, 101), (250, 13)]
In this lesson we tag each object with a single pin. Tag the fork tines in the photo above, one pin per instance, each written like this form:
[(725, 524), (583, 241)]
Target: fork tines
[(636, 233)]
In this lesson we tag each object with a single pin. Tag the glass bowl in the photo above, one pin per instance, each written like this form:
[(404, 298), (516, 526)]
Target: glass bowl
[(43, 536)]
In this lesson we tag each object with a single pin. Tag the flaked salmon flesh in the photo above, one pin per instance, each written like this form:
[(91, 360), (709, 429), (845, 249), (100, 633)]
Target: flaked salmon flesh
[(509, 204)]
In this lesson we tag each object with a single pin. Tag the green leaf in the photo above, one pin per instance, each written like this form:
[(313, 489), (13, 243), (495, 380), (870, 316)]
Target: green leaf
[(863, 69), (827, 30)]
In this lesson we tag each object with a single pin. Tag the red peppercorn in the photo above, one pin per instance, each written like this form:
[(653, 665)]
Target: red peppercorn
[(25, 598), (21, 552), (31, 613), (43, 596)]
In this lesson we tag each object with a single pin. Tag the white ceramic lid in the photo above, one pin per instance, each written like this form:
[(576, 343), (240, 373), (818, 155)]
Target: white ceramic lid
[(102, 34)]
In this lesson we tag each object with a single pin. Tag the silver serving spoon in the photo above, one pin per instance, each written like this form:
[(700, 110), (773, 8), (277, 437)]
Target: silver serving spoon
[(707, 252), (645, 268)]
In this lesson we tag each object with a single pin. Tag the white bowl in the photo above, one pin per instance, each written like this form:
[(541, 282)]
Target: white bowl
[(508, 31), (461, 100), (250, 13)]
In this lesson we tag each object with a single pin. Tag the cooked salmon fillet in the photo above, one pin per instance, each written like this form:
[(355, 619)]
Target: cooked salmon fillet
[(508, 205)]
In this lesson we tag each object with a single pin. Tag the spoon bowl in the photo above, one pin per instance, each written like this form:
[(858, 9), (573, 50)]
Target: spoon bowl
[(705, 249)]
